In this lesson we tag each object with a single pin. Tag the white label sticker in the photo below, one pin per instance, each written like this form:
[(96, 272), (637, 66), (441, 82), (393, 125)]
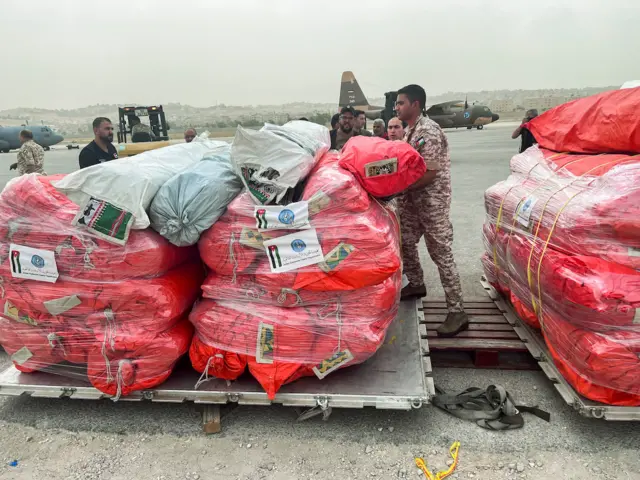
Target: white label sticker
[(294, 251), (61, 305), (294, 216), (21, 356), (332, 364), (33, 264), (525, 209), (633, 252)]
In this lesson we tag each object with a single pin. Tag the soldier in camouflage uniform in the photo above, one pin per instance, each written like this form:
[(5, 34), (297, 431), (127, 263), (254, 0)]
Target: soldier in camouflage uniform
[(30, 156), (424, 210)]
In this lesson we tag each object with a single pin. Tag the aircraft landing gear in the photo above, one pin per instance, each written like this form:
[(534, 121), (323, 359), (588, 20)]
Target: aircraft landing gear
[(480, 127), (46, 149), (5, 151), (469, 128)]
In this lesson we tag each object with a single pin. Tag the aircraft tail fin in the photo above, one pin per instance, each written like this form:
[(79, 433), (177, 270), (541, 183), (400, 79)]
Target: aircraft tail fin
[(350, 92)]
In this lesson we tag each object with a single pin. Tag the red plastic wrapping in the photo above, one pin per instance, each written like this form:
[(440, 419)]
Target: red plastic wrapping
[(310, 320), (563, 244), (604, 123), (115, 314), (384, 168)]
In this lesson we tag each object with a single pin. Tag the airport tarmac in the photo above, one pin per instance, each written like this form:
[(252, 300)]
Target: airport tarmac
[(86, 439)]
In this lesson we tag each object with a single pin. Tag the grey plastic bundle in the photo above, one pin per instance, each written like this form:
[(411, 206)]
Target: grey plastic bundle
[(192, 201)]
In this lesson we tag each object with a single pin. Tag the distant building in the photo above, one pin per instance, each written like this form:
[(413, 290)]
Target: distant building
[(503, 106), (543, 103)]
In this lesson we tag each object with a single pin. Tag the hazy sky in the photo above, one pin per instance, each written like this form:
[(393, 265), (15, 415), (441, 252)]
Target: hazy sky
[(72, 53)]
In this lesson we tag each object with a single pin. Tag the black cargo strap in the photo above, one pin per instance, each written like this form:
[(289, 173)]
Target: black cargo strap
[(493, 408)]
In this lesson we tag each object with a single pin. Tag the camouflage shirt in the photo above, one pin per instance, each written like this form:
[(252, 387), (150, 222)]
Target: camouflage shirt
[(429, 140), (30, 158)]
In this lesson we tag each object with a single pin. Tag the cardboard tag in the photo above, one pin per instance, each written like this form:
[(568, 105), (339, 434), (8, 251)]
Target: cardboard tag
[(33, 264), (21, 356), (107, 221), (318, 202), (252, 238), (332, 363), (12, 312), (336, 256), (294, 251), (525, 209), (61, 305), (265, 344), (387, 166), (294, 216)]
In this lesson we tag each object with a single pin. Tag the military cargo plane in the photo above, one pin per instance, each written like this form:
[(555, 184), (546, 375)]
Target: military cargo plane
[(42, 135), (455, 114)]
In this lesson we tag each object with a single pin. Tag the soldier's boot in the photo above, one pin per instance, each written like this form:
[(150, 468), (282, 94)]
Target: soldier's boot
[(455, 323), (413, 291)]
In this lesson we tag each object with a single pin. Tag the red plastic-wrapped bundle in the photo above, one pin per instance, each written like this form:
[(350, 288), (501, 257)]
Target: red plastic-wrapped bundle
[(113, 313), (563, 244), (279, 344), (311, 320), (604, 123), (383, 168)]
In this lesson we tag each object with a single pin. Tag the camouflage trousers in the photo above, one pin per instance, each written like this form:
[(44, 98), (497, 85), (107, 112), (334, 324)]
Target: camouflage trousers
[(423, 215)]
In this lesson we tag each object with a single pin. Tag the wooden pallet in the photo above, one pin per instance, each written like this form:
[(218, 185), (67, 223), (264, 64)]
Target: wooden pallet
[(490, 341)]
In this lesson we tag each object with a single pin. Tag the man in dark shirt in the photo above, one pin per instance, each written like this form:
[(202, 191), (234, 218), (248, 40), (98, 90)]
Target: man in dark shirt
[(527, 139), (360, 124), (345, 130), (101, 149)]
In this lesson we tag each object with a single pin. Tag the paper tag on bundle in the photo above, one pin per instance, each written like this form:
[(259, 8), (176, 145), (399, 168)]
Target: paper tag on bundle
[(636, 317), (265, 345), (294, 251), (387, 166), (633, 252), (12, 312), (33, 264), (333, 363), (525, 209), (252, 238), (318, 202), (294, 216), (21, 356), (336, 256), (107, 221), (61, 305)]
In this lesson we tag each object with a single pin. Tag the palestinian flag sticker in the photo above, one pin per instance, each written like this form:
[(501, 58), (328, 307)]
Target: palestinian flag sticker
[(109, 222)]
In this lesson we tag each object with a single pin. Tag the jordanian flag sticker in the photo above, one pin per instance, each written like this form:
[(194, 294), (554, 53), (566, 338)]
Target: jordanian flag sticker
[(294, 251), (294, 216), (107, 221)]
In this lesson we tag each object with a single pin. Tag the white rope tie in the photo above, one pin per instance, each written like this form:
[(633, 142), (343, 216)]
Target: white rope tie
[(2, 287), (66, 244), (322, 316), (53, 339), (119, 381), (89, 246), (282, 298), (255, 292), (205, 373), (232, 256)]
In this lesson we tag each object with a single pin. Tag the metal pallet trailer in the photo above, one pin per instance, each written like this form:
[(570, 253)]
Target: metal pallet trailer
[(397, 377), (537, 347)]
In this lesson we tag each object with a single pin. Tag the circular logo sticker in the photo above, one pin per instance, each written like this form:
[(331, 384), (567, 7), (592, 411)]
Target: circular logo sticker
[(37, 261), (286, 216), (298, 246), (467, 114)]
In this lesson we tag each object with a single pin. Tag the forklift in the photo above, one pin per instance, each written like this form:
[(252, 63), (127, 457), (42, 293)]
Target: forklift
[(157, 122)]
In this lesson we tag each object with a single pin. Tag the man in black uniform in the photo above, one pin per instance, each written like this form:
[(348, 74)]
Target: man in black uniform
[(101, 149), (527, 138), (345, 130)]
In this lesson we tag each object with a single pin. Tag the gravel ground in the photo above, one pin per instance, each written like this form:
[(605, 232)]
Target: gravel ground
[(69, 439)]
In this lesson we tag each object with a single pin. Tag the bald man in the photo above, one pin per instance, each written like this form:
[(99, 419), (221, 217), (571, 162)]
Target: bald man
[(395, 129), (190, 134)]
